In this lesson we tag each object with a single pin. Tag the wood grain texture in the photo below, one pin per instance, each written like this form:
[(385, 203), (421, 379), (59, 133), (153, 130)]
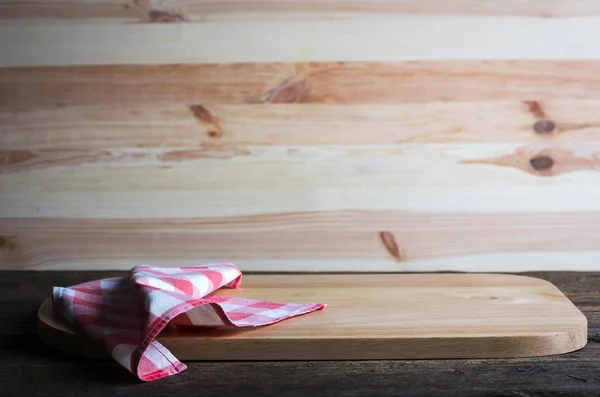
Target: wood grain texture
[(194, 10), (33, 369), (311, 125), (329, 241), (242, 180), (387, 38), (83, 144), (136, 86), (379, 317), (270, 141)]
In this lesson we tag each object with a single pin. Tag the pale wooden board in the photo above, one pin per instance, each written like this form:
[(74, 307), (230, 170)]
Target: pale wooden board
[(379, 317), (321, 241), (217, 182), (191, 10), (132, 172), (282, 162), (47, 131), (138, 86), (389, 38)]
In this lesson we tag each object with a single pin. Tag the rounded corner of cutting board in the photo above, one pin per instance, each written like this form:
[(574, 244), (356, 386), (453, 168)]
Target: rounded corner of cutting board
[(561, 342), (565, 330)]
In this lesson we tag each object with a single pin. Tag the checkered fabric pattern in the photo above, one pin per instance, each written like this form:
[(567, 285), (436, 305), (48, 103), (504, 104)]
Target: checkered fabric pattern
[(124, 315)]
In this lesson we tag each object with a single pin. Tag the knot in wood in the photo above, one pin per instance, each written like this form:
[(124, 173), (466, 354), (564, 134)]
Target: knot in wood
[(542, 163), (544, 126), (160, 16)]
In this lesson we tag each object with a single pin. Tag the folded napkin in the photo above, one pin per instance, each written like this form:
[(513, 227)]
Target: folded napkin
[(124, 315)]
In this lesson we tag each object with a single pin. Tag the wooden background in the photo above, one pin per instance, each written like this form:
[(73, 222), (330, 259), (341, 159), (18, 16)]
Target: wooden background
[(338, 135)]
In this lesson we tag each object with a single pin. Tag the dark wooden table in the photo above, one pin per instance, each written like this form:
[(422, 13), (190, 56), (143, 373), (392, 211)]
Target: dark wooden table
[(27, 367)]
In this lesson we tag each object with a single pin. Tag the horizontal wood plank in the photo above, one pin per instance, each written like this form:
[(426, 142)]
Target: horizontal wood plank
[(386, 38), (276, 83), (250, 167), (158, 204), (30, 366), (193, 10), (195, 126), (223, 181), (326, 241)]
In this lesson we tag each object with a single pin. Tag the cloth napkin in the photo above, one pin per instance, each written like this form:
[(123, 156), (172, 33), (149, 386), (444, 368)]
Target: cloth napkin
[(124, 315)]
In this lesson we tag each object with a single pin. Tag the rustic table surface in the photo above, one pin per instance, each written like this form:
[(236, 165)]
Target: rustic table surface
[(27, 367)]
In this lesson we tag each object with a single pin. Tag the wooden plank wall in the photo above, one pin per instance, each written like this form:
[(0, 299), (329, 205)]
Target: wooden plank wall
[(333, 135)]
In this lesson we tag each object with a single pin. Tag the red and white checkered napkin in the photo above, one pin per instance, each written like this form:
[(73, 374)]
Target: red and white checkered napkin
[(124, 315)]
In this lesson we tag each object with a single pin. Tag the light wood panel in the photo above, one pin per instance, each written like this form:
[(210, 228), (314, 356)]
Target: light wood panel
[(222, 127), (438, 178), (255, 109), (305, 82), (192, 10), (378, 317), (146, 164), (382, 39), (312, 241)]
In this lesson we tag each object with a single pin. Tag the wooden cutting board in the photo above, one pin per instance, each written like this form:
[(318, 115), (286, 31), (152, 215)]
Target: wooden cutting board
[(397, 316)]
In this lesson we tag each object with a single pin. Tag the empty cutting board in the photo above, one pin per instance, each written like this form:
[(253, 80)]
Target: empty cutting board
[(397, 316)]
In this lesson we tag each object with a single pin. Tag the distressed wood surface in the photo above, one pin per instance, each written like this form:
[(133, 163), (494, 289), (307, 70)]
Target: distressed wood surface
[(28, 367), (193, 10), (41, 43)]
